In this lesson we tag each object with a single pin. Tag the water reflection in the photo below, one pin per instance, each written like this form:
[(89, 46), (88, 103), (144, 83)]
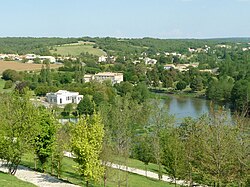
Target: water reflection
[(182, 107)]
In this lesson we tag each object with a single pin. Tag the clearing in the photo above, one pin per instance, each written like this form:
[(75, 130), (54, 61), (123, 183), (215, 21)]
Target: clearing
[(76, 49)]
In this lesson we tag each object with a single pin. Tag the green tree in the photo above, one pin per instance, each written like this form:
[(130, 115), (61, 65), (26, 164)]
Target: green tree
[(86, 106), (181, 85), (12, 75), (37, 61), (86, 141), (241, 95), (44, 141), (68, 109), (18, 128), (218, 139), (172, 157), (159, 122), (8, 84), (196, 84), (143, 150)]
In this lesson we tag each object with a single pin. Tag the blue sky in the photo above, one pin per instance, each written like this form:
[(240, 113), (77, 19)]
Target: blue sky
[(125, 18)]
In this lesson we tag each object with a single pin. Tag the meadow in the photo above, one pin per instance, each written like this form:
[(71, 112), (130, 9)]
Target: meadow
[(77, 49)]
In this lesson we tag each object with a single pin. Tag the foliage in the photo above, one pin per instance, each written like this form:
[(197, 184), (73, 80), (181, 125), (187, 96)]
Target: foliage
[(181, 85), (8, 84), (240, 95), (44, 141), (196, 84), (18, 128), (11, 75), (87, 137), (85, 106)]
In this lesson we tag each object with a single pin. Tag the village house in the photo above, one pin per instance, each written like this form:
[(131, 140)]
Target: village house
[(88, 77), (102, 76), (63, 97), (149, 61), (102, 59), (114, 77), (32, 57), (168, 66)]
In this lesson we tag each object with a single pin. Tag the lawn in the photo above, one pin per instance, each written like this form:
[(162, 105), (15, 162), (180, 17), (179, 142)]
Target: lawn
[(69, 173), (7, 180), (77, 49)]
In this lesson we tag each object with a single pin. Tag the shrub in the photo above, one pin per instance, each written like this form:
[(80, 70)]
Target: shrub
[(8, 84)]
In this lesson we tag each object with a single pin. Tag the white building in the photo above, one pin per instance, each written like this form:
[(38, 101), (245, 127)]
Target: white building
[(169, 66), (114, 77), (42, 58), (88, 77), (102, 59), (149, 61), (63, 97), (50, 58), (100, 77), (30, 56)]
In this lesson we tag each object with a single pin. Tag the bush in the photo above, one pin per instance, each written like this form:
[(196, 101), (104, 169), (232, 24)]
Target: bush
[(8, 84), (13, 75), (181, 85)]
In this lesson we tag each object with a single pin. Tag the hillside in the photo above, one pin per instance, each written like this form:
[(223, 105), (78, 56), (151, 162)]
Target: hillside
[(76, 49)]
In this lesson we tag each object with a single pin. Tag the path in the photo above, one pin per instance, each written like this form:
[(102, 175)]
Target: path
[(141, 172), (36, 178)]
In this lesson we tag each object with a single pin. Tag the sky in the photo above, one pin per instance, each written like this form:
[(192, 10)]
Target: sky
[(125, 18)]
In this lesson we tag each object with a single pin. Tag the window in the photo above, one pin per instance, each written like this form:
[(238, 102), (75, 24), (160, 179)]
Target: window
[(60, 100)]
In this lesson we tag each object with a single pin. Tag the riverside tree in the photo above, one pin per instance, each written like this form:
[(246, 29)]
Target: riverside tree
[(122, 121), (159, 122), (86, 142)]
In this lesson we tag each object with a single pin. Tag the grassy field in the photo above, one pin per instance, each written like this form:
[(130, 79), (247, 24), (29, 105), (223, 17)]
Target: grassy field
[(77, 49), (18, 66), (70, 174), (7, 180)]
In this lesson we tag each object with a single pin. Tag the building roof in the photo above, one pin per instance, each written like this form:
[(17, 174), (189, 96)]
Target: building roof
[(108, 74)]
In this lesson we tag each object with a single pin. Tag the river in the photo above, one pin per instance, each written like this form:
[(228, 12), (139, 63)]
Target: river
[(185, 106)]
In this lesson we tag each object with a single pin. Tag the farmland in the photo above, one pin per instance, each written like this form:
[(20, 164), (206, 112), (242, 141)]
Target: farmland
[(18, 66), (76, 49)]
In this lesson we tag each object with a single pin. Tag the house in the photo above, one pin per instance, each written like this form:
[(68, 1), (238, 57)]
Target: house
[(182, 67), (102, 76), (114, 77), (63, 97), (102, 59), (149, 61), (88, 77), (169, 66), (50, 58), (30, 56), (42, 58)]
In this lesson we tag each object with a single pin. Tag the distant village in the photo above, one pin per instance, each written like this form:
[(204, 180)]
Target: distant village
[(117, 77)]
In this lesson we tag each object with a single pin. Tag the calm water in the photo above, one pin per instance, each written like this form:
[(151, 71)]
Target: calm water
[(184, 106)]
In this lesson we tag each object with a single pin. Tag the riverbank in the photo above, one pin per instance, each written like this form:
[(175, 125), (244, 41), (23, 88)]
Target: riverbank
[(162, 93)]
